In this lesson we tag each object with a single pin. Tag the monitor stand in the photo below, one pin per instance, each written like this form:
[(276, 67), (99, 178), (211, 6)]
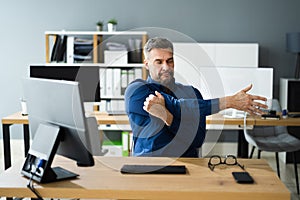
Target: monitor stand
[(38, 162)]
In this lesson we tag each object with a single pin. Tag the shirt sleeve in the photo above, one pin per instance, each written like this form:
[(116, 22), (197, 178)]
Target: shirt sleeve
[(190, 105), (184, 110)]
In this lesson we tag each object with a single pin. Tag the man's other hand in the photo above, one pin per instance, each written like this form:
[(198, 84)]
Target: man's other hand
[(244, 101), (155, 105)]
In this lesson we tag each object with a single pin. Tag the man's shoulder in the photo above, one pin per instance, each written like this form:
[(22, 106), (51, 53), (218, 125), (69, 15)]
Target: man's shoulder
[(180, 85), (188, 90), (138, 87), (138, 83), (141, 84)]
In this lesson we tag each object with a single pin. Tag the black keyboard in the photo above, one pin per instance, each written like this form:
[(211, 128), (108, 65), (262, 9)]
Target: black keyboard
[(153, 169)]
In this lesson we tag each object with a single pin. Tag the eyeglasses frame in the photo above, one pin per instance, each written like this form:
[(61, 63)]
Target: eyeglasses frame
[(212, 166)]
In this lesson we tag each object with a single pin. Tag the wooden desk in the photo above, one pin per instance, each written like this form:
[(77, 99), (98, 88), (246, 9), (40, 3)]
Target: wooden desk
[(16, 118), (105, 181), (102, 118), (282, 122)]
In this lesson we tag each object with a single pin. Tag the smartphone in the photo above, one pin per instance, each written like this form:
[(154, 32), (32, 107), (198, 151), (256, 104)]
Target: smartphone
[(242, 177)]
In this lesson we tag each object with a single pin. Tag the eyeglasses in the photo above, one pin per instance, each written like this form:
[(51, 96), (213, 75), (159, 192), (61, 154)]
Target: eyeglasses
[(217, 160)]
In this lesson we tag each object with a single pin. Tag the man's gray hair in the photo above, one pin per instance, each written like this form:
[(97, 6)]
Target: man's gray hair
[(157, 43)]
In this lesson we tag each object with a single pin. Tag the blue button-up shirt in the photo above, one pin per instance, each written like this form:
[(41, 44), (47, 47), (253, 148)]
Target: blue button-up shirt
[(151, 136)]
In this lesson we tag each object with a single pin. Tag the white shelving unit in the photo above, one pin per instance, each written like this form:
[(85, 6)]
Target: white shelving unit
[(97, 41)]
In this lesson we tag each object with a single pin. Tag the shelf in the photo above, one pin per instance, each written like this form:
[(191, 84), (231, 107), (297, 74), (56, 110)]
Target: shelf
[(101, 65), (73, 33), (112, 98), (113, 127), (97, 37)]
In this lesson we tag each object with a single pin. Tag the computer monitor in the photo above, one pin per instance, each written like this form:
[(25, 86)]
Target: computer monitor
[(87, 75), (57, 120)]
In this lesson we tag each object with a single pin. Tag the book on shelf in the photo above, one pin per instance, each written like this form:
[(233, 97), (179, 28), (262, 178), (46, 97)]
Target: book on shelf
[(55, 49), (61, 51), (58, 53)]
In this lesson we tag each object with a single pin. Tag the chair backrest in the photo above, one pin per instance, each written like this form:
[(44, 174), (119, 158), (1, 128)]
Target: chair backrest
[(278, 130), (264, 131), (276, 105)]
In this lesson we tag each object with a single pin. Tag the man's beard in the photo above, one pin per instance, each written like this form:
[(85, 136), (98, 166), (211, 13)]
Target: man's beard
[(167, 81)]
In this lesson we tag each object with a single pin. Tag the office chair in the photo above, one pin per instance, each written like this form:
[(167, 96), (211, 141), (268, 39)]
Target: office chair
[(273, 139)]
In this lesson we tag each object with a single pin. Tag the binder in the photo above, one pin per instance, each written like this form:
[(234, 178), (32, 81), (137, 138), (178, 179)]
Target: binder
[(124, 81), (125, 143), (117, 82), (102, 75), (138, 73), (130, 76), (109, 82), (70, 49)]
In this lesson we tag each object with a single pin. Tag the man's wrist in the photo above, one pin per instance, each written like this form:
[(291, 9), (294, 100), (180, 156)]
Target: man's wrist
[(225, 102), (169, 118)]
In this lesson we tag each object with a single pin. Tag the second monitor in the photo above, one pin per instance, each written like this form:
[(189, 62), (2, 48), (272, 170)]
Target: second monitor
[(86, 75)]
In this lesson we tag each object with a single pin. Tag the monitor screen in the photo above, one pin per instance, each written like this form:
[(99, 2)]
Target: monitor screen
[(58, 123), (293, 96), (87, 76)]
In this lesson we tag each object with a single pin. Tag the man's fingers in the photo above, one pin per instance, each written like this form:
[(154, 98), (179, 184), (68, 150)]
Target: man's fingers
[(260, 105), (247, 88), (159, 95), (151, 96), (255, 97)]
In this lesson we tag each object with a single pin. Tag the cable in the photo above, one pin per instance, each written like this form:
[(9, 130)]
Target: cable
[(247, 136), (245, 125), (30, 183), (245, 122)]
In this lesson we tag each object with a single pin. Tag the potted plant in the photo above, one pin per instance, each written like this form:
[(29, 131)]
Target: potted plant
[(112, 24), (99, 26)]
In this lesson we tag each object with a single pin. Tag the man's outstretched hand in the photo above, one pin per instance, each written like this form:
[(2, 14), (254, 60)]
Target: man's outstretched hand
[(244, 101)]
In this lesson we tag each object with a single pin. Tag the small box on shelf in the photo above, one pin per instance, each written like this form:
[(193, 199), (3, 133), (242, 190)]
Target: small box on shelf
[(115, 57)]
